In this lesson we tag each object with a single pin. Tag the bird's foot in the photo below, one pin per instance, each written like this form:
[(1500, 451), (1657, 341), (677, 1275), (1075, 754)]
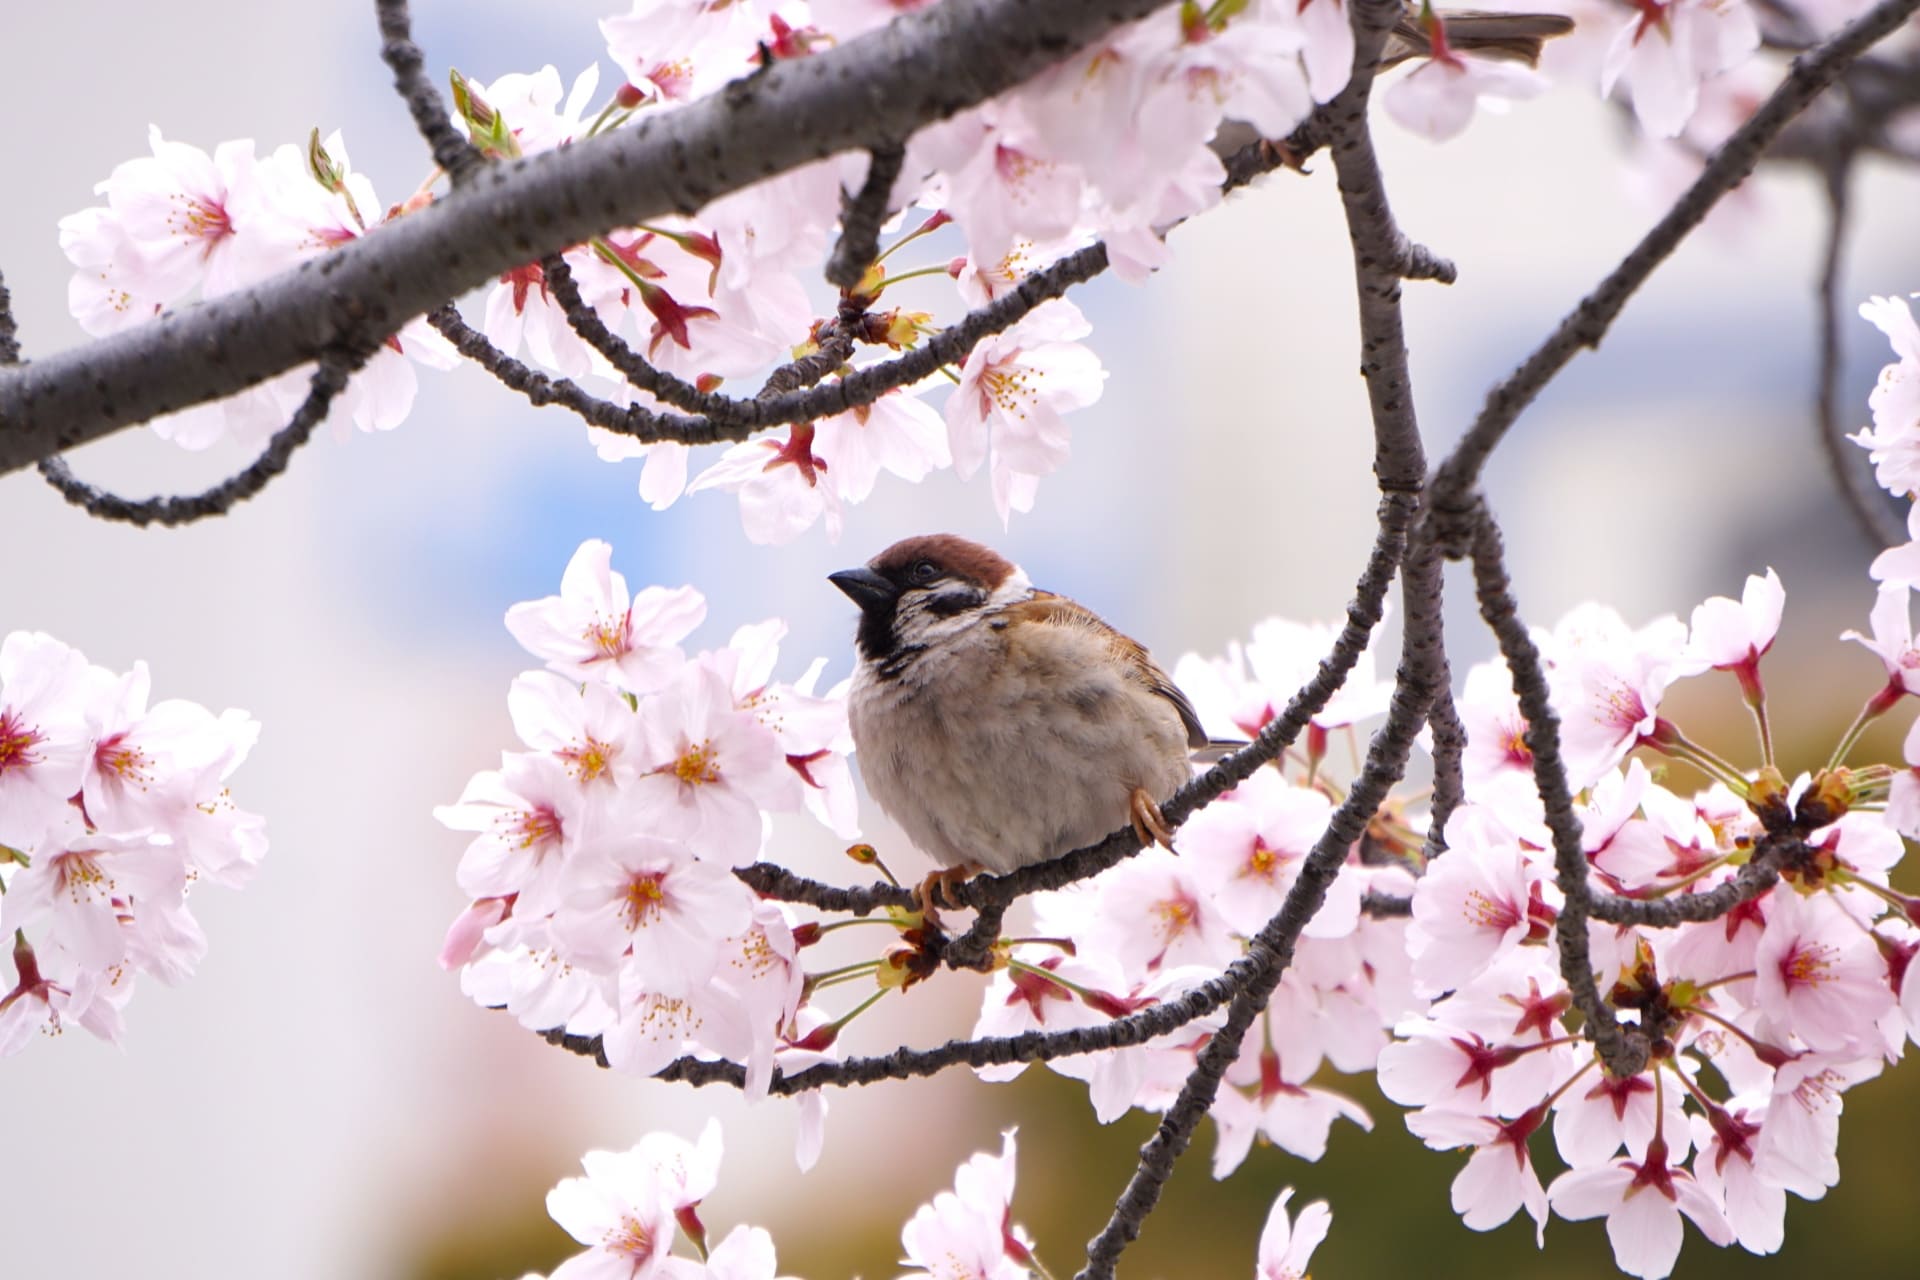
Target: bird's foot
[(939, 889), (1149, 825)]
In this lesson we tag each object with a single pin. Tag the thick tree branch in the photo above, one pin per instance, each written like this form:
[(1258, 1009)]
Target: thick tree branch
[(1459, 475), (923, 67)]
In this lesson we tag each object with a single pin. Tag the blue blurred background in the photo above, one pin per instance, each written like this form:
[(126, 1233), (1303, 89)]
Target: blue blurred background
[(320, 1101)]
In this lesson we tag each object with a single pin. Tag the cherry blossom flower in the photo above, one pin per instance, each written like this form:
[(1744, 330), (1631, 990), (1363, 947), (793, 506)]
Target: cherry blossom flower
[(1154, 913), (1013, 392), (1642, 1201), (1248, 848), (1499, 1179), (1667, 47), (588, 728), (648, 899), (592, 631), (623, 1211), (43, 738), (1756, 1209), (1817, 972), (898, 433), (1286, 1247), (177, 208), (1264, 1096), (1475, 904), (1892, 640), (1437, 99), (43, 998), (528, 814), (779, 483), (1607, 682), (1728, 635), (967, 1233), (710, 767), (1903, 799), (1893, 442), (1801, 1135)]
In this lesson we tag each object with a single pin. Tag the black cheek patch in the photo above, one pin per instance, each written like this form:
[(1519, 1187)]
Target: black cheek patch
[(949, 603)]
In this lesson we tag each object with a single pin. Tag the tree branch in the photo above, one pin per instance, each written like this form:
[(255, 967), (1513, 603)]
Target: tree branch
[(1623, 1052), (328, 381), (9, 334), (923, 67), (1852, 473), (451, 150), (861, 216), (1459, 475)]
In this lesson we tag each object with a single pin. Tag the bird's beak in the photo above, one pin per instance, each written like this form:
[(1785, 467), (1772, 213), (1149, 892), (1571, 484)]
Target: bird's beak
[(866, 588)]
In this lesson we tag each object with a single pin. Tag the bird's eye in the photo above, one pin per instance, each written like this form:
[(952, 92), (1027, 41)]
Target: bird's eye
[(922, 572)]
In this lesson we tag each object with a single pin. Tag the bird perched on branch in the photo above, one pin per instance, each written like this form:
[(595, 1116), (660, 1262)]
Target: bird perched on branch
[(1000, 725)]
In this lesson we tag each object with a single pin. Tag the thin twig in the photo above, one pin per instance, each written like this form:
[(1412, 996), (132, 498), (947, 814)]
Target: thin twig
[(1587, 323), (451, 151), (327, 382), (1852, 474), (861, 216)]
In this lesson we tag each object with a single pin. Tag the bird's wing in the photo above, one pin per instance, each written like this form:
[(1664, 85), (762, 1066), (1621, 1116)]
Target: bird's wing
[(1051, 610)]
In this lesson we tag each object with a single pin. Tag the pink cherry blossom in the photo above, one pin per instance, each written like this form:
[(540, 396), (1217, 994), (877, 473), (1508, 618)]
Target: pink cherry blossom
[(1756, 1209), (1499, 1179), (1248, 848), (1642, 1201), (967, 1233), (1607, 682), (623, 1211), (710, 767), (1437, 99), (781, 484), (1892, 640), (1666, 48), (1729, 635), (1474, 904), (529, 816), (1154, 913), (1286, 1247), (1801, 1135), (1818, 973), (592, 631), (44, 997), (648, 900), (898, 433), (44, 744), (1013, 392), (1893, 442), (1263, 1097), (178, 209), (588, 728)]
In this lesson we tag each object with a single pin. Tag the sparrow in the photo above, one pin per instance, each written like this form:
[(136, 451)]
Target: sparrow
[(1000, 725)]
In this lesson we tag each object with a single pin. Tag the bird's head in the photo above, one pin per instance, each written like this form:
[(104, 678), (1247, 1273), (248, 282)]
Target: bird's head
[(922, 589)]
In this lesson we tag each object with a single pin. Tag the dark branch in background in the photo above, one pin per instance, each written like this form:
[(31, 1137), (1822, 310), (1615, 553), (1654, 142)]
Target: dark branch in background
[(861, 216), (328, 381), (451, 150), (1852, 472), (1623, 1052), (1588, 322), (922, 67), (1449, 745), (9, 335)]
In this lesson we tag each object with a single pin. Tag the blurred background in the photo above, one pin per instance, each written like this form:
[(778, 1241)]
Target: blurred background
[(320, 1101)]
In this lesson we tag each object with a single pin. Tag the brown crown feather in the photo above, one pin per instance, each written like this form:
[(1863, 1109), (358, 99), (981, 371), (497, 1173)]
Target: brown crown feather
[(948, 551)]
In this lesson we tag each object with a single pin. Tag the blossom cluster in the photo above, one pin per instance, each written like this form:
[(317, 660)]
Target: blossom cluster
[(1113, 144), (601, 868), (632, 1207), (111, 810)]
